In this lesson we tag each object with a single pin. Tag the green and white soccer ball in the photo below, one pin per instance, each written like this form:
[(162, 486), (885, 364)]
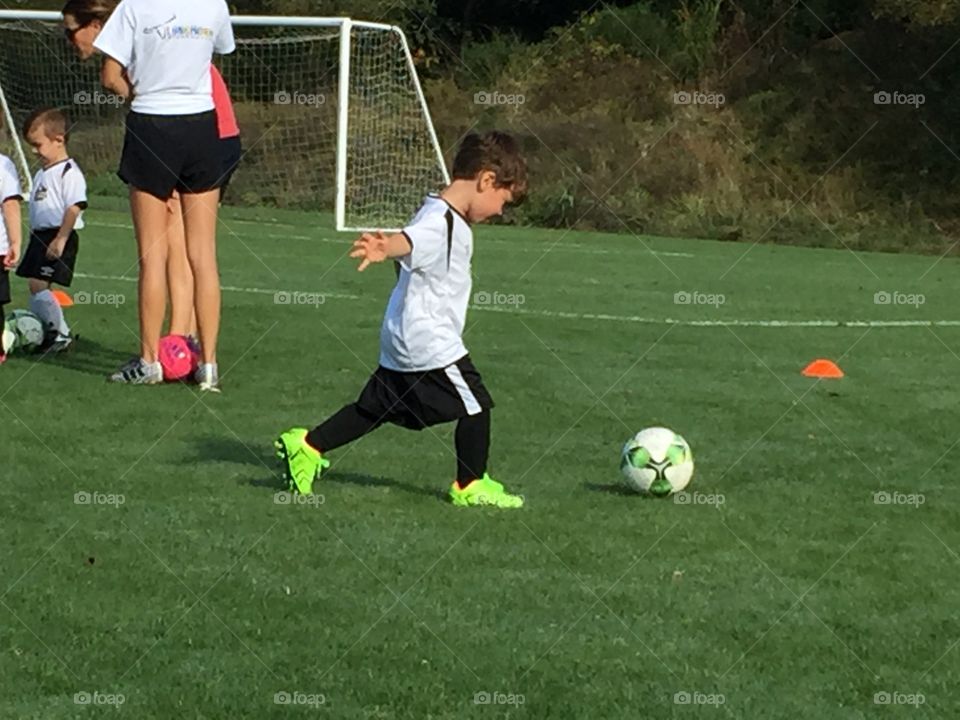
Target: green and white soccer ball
[(657, 462), (24, 332)]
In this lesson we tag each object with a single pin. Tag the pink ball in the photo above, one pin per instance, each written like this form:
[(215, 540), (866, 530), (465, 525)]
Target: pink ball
[(178, 358)]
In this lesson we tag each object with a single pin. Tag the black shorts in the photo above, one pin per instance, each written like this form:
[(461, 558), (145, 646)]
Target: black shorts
[(420, 399), (163, 153), (231, 150), (4, 286), (36, 264)]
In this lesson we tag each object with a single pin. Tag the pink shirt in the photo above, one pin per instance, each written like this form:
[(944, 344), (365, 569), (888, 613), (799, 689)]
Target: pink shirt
[(226, 119)]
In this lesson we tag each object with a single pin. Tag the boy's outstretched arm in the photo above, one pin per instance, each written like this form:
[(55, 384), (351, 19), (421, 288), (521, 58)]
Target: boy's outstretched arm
[(377, 247)]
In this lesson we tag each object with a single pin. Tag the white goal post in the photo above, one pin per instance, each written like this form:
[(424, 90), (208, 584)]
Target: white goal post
[(331, 112)]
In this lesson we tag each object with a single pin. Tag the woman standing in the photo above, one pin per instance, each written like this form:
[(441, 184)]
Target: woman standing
[(82, 22), (160, 54)]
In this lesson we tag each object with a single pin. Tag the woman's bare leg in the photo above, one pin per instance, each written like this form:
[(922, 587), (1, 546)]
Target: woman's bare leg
[(179, 276), (200, 225), (151, 226)]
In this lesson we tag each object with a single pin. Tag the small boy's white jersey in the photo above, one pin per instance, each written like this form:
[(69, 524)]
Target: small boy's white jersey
[(166, 49), (55, 189), (423, 326), (9, 190)]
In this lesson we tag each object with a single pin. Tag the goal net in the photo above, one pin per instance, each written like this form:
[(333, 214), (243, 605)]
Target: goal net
[(331, 114)]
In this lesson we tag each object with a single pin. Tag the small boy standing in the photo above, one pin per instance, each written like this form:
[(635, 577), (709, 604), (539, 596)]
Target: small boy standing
[(10, 233), (57, 203), (426, 376)]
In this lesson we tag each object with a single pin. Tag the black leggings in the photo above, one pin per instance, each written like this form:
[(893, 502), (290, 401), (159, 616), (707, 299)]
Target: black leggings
[(472, 438)]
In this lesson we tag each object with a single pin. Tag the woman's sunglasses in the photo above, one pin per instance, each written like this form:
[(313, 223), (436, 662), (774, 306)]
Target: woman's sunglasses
[(71, 33)]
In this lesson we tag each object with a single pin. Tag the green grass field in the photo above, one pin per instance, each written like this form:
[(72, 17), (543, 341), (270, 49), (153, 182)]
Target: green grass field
[(784, 589)]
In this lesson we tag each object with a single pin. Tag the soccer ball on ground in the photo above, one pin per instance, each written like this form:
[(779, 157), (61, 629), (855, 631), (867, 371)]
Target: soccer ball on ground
[(657, 462), (178, 358), (24, 332)]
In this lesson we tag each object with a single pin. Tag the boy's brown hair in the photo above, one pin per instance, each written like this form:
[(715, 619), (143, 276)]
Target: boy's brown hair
[(52, 121), (497, 152), (86, 11)]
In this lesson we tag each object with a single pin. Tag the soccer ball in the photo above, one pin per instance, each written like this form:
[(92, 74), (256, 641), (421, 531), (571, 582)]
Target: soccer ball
[(657, 462), (24, 332), (178, 358)]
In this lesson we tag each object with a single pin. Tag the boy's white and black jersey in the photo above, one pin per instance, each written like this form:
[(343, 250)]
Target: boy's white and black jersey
[(9, 190), (423, 326), (55, 189)]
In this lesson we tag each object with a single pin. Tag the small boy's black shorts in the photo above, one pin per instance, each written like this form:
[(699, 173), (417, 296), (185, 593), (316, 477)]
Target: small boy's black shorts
[(36, 264), (4, 286), (416, 400)]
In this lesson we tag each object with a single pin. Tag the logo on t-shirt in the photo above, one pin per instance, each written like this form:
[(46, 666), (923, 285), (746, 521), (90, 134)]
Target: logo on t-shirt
[(168, 31), (158, 29), (40, 194)]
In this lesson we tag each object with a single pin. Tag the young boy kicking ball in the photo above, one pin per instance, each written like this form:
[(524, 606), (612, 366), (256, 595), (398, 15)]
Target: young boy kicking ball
[(425, 375)]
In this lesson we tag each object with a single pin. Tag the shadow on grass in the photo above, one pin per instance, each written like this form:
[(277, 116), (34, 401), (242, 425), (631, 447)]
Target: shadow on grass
[(84, 356), (382, 482), (218, 448), (612, 489)]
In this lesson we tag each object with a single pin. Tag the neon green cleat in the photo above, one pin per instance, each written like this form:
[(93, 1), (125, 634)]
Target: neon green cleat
[(301, 463), (484, 491)]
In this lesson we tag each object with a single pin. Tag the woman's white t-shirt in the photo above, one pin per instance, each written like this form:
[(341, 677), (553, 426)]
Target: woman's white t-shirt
[(166, 48)]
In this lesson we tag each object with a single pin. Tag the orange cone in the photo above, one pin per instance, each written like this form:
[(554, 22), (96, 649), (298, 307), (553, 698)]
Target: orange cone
[(823, 369), (63, 300)]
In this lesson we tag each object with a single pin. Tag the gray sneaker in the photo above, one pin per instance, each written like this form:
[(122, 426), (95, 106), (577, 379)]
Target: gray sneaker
[(139, 372), (60, 343), (207, 377)]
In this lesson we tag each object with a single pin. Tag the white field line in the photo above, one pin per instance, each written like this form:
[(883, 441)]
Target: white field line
[(611, 318), (725, 323), (225, 288), (514, 245)]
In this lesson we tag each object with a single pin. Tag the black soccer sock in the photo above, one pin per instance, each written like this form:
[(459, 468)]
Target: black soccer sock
[(344, 427), (472, 439)]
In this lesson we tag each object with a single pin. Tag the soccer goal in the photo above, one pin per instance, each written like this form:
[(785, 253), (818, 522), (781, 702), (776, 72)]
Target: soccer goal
[(331, 112)]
